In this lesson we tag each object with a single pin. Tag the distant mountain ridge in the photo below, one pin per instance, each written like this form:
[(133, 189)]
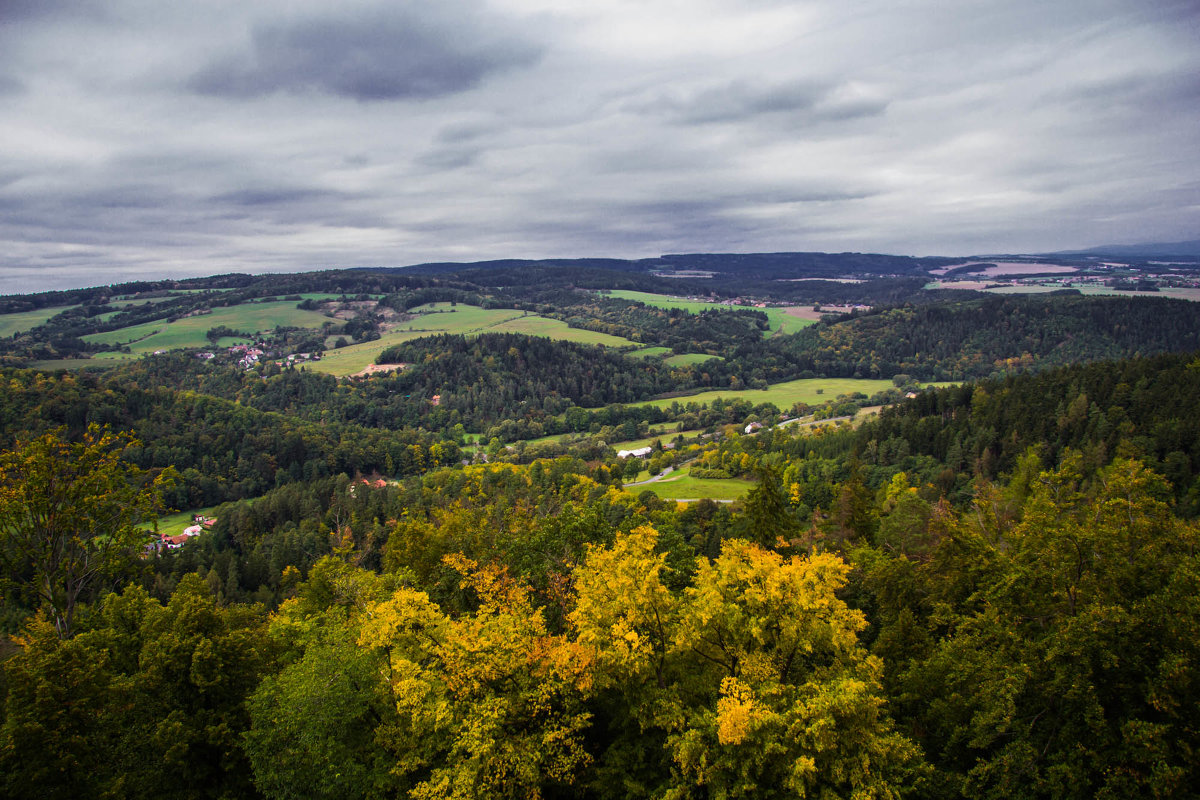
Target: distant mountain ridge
[(768, 266), (1148, 250)]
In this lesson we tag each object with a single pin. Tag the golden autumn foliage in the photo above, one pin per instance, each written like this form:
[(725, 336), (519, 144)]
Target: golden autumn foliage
[(753, 675)]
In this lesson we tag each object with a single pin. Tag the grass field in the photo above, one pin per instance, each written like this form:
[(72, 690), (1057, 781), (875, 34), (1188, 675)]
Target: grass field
[(666, 301), (189, 331), (784, 395), (783, 323), (72, 363), (557, 329), (173, 524), (680, 485), (650, 352), (664, 434), (25, 320), (689, 358), (780, 321), (437, 318)]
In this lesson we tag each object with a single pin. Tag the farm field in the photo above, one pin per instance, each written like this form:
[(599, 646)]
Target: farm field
[(780, 321), (784, 395), (784, 322), (680, 485), (438, 318), (71, 363), (664, 434), (666, 301), (173, 524), (24, 320), (189, 331), (689, 358), (557, 329), (650, 352)]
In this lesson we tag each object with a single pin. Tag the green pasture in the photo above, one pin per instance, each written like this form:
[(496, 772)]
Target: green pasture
[(662, 434), (173, 524), (323, 296), (779, 320), (189, 331), (72, 363), (668, 302), (438, 318), (680, 485), (557, 329), (689, 358), (650, 352), (22, 321), (785, 394), (783, 323)]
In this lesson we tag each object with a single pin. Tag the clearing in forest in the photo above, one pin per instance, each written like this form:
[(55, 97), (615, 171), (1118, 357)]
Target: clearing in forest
[(813, 391), (780, 320)]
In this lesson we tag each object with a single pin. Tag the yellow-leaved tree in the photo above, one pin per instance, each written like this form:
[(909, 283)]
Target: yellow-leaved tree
[(487, 704), (752, 679)]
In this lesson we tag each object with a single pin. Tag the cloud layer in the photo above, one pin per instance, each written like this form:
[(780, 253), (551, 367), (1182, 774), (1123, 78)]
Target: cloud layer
[(141, 139)]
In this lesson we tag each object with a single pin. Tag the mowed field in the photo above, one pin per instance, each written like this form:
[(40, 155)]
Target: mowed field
[(680, 485), (189, 331), (780, 321), (689, 358), (806, 390), (25, 320), (437, 318)]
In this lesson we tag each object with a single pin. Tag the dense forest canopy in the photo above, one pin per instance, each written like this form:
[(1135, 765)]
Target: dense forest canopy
[(741, 549)]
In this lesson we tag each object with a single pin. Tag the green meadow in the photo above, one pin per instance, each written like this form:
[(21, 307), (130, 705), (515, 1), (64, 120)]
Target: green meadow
[(189, 331), (666, 301), (438, 318), (650, 352), (806, 390), (22, 321), (687, 359), (779, 320), (680, 485)]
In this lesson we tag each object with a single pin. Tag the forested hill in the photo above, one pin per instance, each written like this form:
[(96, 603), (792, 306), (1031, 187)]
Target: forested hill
[(762, 266), (976, 338), (223, 450), (1148, 408)]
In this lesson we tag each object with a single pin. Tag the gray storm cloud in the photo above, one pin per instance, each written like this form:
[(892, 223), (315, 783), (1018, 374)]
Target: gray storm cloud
[(388, 53), (140, 139)]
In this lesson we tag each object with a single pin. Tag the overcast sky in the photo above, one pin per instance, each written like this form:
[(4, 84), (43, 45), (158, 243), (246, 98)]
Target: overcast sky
[(150, 138)]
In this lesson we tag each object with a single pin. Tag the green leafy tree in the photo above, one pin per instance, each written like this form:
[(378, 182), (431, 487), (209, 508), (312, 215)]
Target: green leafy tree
[(70, 515)]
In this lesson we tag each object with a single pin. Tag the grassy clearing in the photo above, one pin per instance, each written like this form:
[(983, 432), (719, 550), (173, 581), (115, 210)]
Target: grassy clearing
[(680, 485), (664, 434), (808, 390), (782, 323), (690, 358), (173, 524), (650, 352), (666, 301), (189, 331), (557, 329), (23, 321), (438, 318), (72, 363), (323, 296), (779, 321)]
